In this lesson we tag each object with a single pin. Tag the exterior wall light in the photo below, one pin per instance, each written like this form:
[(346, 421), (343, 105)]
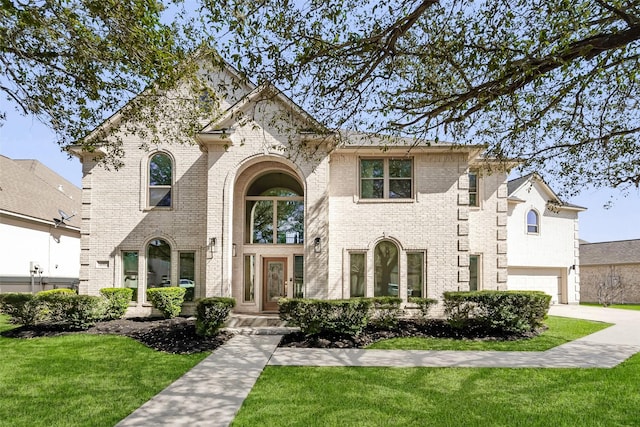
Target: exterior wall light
[(212, 245), (316, 245)]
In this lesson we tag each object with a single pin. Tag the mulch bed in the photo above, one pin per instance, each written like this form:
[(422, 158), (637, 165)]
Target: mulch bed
[(178, 335)]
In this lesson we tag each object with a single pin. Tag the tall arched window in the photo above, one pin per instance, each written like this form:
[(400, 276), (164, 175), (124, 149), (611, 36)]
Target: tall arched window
[(160, 180), (533, 222), (275, 210), (158, 263), (386, 277)]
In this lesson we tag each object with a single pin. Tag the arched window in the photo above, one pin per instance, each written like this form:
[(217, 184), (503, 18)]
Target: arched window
[(533, 222), (386, 277), (160, 180), (275, 210), (158, 263)]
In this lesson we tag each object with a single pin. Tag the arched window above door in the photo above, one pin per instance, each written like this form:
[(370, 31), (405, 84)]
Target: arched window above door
[(160, 180), (274, 210), (533, 222)]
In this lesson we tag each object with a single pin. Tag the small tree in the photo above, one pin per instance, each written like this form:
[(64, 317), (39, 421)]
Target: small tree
[(611, 289)]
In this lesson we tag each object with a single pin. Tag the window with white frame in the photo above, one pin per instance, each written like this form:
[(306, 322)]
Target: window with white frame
[(357, 276), (386, 178), (415, 274), (474, 272), (474, 199), (533, 222), (386, 275), (160, 180), (158, 264)]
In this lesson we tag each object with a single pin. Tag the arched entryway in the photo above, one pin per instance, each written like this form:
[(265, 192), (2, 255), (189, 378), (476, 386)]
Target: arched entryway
[(269, 235)]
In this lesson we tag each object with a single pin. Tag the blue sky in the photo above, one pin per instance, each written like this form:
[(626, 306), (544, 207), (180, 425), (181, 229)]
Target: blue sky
[(26, 138)]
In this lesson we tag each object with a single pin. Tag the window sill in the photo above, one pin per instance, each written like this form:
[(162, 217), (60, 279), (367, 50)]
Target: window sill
[(372, 201), (157, 208)]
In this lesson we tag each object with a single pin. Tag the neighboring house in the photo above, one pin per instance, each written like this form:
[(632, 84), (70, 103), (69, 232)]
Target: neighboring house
[(267, 203), (31, 231), (614, 266), (544, 248)]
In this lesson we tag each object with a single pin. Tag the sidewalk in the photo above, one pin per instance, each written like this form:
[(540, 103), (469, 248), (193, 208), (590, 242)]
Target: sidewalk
[(212, 392)]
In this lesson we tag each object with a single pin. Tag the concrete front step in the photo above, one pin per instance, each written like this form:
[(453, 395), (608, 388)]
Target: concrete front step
[(237, 320)]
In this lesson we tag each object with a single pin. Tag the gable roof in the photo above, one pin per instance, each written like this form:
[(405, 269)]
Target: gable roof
[(516, 184), (30, 189), (618, 252)]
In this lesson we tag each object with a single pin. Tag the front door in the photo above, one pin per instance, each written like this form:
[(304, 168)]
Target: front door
[(274, 282)]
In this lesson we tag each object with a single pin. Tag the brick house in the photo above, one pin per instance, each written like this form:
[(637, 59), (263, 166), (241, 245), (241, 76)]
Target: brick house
[(268, 203), (614, 266)]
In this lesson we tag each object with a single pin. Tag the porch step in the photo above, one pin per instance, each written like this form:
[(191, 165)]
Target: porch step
[(257, 324)]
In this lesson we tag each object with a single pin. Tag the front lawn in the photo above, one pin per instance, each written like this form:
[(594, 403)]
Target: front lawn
[(302, 396), (81, 379), (561, 330), (623, 306)]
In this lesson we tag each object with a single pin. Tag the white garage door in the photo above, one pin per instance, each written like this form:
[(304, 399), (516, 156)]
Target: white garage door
[(547, 280)]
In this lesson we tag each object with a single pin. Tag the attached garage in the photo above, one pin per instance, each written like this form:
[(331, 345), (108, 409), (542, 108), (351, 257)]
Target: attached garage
[(551, 281)]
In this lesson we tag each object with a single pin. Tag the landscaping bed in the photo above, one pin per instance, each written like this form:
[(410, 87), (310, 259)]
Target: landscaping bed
[(177, 335)]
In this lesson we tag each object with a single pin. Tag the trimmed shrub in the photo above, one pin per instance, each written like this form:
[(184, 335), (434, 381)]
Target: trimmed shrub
[(56, 291), (21, 308), (167, 300), (342, 317), (501, 312), (117, 302), (385, 311), (83, 311), (211, 313), (424, 305)]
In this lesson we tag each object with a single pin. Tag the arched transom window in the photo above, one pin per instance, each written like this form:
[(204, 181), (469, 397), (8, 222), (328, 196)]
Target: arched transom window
[(160, 180), (275, 210)]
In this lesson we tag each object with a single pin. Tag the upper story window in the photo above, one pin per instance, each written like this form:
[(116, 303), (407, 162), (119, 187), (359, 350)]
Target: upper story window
[(533, 222), (275, 210), (160, 180), (474, 200), (386, 178)]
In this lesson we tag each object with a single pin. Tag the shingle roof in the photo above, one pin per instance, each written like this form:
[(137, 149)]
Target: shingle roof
[(27, 187), (514, 184), (620, 252)]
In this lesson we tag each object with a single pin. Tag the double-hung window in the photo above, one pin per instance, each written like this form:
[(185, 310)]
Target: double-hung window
[(473, 190), (160, 180), (386, 178)]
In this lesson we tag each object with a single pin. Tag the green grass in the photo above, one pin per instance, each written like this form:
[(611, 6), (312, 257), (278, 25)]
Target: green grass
[(561, 330), (302, 396), (80, 380), (623, 306)]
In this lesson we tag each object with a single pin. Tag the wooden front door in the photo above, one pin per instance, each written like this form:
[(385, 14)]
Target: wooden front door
[(274, 282)]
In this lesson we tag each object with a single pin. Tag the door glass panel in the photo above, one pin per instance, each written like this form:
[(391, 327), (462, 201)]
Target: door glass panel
[(275, 280), (298, 276), (290, 222), (249, 278)]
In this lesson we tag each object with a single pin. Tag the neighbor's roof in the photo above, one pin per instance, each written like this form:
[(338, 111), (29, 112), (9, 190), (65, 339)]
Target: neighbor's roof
[(620, 252), (515, 184), (29, 188)]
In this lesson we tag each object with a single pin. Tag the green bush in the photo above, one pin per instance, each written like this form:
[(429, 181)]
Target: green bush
[(83, 311), (211, 313), (167, 300), (57, 291), (117, 302), (21, 308), (343, 317), (491, 312), (424, 305), (385, 311)]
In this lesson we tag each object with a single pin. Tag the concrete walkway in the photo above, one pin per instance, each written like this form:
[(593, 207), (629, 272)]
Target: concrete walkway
[(213, 391)]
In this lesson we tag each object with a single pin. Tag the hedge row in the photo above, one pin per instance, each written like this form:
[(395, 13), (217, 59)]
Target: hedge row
[(347, 316), (483, 312), (497, 312), (211, 314)]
